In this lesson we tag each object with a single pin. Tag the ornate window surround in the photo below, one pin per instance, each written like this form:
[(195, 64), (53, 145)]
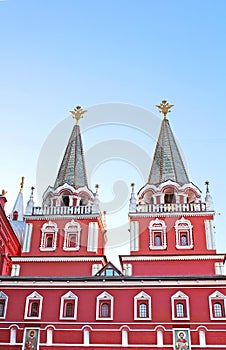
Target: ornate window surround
[(71, 228), (217, 297), (184, 226), (33, 297), (176, 298), (104, 297), (4, 300), (157, 227), (49, 228), (68, 297), (142, 297)]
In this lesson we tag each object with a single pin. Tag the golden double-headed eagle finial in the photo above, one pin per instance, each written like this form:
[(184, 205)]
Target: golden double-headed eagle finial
[(77, 113), (164, 108), (22, 184)]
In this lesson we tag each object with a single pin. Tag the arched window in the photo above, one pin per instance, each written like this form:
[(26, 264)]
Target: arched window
[(66, 200), (49, 241), (169, 196), (68, 306), (143, 310), (158, 241), (184, 239), (33, 306), (180, 306), (142, 306), (104, 310), (217, 307), (69, 312), (15, 215), (34, 309), (104, 306), (179, 310), (2, 308)]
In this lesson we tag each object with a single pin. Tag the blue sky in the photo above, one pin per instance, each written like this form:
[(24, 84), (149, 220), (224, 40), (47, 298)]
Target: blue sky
[(58, 54)]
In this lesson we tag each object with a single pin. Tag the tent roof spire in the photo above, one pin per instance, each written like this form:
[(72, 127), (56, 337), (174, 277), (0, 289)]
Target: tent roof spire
[(167, 162), (72, 169)]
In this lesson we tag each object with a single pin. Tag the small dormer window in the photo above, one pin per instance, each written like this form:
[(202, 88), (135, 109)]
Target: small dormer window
[(15, 215)]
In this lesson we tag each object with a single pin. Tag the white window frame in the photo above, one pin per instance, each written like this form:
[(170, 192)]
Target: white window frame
[(184, 225), (180, 297), (15, 271), (217, 297), (157, 226), (96, 268), (142, 296), (105, 296), (33, 297), (49, 228), (4, 297), (69, 296), (127, 269), (219, 268), (71, 228)]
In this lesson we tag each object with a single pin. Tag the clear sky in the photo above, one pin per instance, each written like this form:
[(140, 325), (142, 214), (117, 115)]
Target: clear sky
[(58, 54)]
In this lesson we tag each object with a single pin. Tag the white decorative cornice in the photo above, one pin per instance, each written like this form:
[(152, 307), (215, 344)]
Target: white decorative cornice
[(173, 257), (61, 217), (29, 259), (171, 214)]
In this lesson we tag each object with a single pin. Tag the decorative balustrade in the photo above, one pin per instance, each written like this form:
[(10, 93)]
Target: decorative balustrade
[(77, 210), (172, 207)]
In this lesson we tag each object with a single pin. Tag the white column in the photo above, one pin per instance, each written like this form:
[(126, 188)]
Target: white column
[(13, 335), (49, 340), (202, 338), (86, 337), (134, 236), (159, 338), (124, 337)]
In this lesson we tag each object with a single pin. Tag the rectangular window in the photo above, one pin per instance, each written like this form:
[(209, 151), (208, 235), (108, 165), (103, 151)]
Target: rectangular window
[(180, 308), (34, 309), (2, 307)]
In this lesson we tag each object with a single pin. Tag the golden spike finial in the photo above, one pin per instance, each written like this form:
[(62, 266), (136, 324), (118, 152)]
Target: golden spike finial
[(164, 108), (22, 184), (77, 113)]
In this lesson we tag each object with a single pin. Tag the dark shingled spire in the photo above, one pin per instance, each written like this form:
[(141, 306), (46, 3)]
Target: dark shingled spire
[(167, 162), (72, 170)]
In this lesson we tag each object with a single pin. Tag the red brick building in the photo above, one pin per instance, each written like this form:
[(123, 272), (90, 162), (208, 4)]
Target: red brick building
[(58, 290)]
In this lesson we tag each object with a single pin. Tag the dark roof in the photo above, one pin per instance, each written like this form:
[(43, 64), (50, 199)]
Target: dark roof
[(167, 162), (72, 169)]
